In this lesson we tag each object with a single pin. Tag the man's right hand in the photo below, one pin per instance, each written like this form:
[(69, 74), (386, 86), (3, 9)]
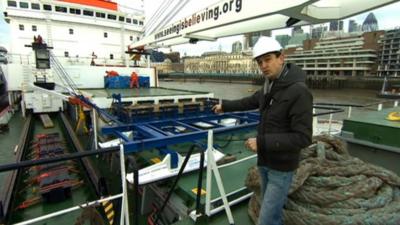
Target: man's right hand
[(217, 108)]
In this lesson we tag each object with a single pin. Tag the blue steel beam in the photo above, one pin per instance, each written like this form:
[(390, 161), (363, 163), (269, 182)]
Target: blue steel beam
[(153, 136)]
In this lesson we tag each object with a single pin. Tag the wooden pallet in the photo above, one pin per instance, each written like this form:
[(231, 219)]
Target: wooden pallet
[(46, 121)]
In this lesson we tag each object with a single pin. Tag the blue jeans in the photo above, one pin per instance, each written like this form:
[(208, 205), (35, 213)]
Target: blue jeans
[(275, 186)]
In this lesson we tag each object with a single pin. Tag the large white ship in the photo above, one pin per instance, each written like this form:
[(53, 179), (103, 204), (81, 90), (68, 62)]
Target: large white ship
[(86, 39), (76, 29)]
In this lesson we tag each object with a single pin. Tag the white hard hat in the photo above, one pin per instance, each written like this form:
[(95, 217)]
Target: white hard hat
[(265, 45)]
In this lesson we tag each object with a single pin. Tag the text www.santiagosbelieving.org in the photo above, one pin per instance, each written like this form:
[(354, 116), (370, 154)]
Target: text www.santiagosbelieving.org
[(207, 14)]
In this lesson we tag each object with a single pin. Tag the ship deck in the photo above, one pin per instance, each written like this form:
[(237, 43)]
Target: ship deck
[(373, 138), (374, 127), (80, 195)]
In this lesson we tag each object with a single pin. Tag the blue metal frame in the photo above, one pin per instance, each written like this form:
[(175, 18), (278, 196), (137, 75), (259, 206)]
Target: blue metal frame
[(161, 133)]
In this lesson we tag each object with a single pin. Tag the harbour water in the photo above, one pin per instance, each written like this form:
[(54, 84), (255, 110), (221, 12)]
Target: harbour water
[(236, 90)]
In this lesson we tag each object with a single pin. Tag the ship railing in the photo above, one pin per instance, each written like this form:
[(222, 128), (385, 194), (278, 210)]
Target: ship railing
[(68, 210), (332, 125), (28, 59), (21, 59), (124, 218)]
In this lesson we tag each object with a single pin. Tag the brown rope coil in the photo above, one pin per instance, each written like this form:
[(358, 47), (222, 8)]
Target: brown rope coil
[(333, 188)]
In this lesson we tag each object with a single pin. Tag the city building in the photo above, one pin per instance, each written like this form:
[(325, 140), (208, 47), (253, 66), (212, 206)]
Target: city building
[(336, 25), (389, 56), (297, 39), (317, 32), (250, 39), (354, 55), (297, 30), (354, 26), (370, 23), (168, 66), (283, 39), (221, 63), (237, 47)]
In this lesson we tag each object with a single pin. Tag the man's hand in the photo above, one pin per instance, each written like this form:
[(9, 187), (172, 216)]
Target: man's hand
[(251, 144), (217, 108)]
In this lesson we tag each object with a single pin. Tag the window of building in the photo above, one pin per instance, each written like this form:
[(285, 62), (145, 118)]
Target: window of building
[(87, 12), (137, 38), (131, 38), (101, 15), (61, 9), (66, 54), (35, 6), (71, 31), (121, 18), (34, 28), (105, 34), (75, 11), (140, 22), (47, 7), (12, 3), (21, 27), (111, 17), (128, 20), (23, 5), (111, 56), (135, 21)]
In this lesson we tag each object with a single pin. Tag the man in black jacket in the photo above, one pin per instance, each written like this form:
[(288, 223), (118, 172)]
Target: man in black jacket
[(285, 106)]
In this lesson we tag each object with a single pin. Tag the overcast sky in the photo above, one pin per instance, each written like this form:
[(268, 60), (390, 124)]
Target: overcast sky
[(388, 17)]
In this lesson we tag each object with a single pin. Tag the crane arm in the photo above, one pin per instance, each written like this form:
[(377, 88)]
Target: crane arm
[(234, 17)]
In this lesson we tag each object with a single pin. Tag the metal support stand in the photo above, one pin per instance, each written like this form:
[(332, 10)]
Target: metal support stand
[(94, 122), (212, 167), (124, 220)]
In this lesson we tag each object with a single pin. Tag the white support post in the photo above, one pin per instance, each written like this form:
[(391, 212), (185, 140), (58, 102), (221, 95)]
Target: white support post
[(349, 112), (23, 108), (94, 123), (315, 121), (11, 101), (124, 207), (330, 123), (209, 175), (396, 103), (211, 163), (380, 107)]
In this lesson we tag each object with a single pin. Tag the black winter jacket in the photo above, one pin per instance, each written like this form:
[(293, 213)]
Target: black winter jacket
[(286, 119)]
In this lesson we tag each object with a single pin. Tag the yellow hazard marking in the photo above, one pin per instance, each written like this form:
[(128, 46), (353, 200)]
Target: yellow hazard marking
[(109, 207), (110, 215), (155, 160), (202, 192), (109, 210)]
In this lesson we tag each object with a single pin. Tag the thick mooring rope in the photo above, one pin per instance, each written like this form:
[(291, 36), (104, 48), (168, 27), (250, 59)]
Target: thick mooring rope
[(333, 188)]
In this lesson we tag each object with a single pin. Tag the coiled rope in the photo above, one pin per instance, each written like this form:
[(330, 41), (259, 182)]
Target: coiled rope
[(331, 187)]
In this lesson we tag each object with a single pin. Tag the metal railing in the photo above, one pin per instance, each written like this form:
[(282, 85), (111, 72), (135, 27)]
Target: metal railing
[(337, 108)]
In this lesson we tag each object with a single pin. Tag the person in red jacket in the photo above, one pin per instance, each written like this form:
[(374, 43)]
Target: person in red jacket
[(134, 80)]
